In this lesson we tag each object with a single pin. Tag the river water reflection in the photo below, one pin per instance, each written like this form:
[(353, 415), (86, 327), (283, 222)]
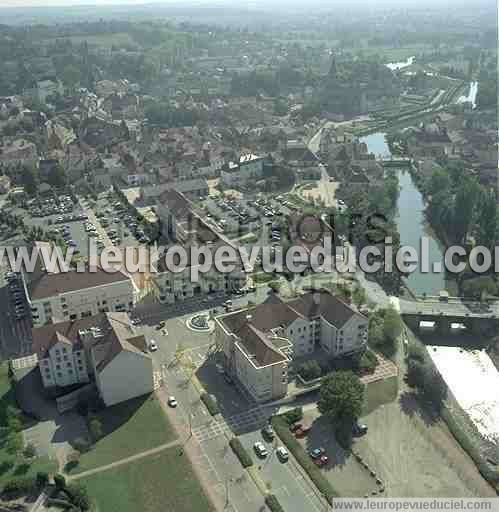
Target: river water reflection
[(411, 223)]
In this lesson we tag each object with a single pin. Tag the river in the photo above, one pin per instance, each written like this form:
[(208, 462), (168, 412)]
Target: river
[(412, 224)]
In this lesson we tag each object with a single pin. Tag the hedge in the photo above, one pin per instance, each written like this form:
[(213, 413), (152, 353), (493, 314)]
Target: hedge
[(273, 503), (211, 404), (281, 426), (241, 452)]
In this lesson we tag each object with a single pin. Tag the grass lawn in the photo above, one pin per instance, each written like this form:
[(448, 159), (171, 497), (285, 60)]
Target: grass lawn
[(129, 428), (163, 481), (13, 465)]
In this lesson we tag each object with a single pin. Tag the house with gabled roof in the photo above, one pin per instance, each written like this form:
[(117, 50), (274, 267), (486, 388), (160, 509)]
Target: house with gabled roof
[(260, 343), (105, 349)]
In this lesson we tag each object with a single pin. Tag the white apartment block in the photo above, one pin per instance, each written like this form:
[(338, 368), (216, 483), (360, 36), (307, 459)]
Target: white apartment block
[(60, 296), (103, 349), (185, 228), (258, 344), (248, 169)]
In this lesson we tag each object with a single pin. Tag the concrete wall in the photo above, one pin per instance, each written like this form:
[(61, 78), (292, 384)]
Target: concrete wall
[(127, 376)]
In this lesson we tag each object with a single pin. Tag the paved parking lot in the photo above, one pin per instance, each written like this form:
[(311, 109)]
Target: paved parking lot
[(284, 479)]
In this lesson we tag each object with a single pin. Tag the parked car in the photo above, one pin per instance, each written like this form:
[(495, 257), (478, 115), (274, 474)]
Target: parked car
[(172, 401), (322, 461), (268, 432), (295, 426), (160, 325), (359, 430), (315, 453), (135, 321), (260, 449), (282, 454), (152, 346)]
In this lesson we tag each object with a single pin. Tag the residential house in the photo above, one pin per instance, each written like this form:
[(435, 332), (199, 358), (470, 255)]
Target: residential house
[(248, 169), (105, 349), (181, 225), (55, 295), (260, 343)]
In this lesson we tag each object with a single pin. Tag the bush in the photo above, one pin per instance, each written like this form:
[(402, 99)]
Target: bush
[(59, 481), (211, 403), (273, 503), (310, 370), (241, 452), (19, 487), (294, 415), (281, 427)]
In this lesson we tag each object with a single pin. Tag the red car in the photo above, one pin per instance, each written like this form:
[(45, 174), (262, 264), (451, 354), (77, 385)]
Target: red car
[(323, 460)]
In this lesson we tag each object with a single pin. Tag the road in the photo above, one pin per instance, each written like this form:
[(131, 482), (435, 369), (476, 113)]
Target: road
[(15, 335), (285, 480)]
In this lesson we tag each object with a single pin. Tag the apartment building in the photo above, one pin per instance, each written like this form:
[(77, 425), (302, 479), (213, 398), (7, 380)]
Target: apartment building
[(103, 349), (260, 343), (56, 296), (183, 227), (248, 168)]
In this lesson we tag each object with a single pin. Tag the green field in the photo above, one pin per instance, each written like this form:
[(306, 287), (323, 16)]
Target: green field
[(129, 428), (103, 40), (162, 482), (12, 465)]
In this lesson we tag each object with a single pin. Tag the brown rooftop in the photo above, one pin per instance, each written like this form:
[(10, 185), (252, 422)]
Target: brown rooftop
[(48, 285)]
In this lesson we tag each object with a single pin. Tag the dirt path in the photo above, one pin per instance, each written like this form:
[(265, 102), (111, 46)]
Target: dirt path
[(127, 460)]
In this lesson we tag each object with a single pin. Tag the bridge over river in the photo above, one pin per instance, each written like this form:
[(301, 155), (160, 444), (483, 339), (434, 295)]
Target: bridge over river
[(451, 313)]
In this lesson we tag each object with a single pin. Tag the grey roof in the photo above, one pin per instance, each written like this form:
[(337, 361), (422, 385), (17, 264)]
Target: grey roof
[(49, 284)]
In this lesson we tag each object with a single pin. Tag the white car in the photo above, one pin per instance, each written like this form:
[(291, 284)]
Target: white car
[(172, 401), (282, 454), (152, 346), (260, 449)]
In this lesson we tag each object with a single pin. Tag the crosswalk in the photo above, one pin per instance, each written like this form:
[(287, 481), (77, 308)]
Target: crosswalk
[(246, 421)]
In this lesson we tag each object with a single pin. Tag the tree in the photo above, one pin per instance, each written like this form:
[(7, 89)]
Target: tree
[(464, 207), (415, 373), (359, 296), (71, 75), (79, 496), (30, 451), (57, 176), (375, 330), (59, 481), (42, 479), (14, 443), (392, 327), (341, 397), (95, 427), (478, 287), (487, 219), (434, 388)]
